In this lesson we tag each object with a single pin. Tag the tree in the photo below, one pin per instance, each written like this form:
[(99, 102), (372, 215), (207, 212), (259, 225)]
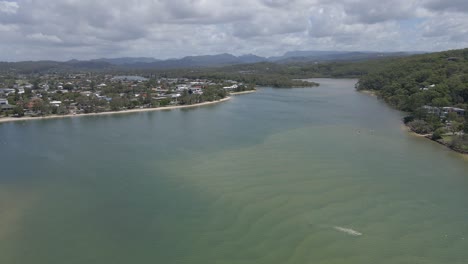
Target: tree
[(438, 133), (420, 126), (455, 127), (116, 104), (68, 87), (36, 83), (18, 110)]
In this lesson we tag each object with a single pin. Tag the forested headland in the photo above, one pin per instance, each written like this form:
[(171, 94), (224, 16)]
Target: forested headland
[(432, 88)]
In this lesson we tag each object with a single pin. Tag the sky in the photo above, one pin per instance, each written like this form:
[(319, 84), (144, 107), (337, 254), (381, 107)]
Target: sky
[(88, 29)]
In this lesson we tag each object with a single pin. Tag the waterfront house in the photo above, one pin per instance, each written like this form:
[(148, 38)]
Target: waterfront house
[(232, 87), (6, 107), (55, 103), (432, 110), (443, 111), (458, 111)]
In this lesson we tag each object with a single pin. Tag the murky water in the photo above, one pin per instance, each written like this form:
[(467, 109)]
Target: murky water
[(319, 175)]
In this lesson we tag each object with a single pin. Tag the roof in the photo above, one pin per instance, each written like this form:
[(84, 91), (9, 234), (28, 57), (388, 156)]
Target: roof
[(6, 106)]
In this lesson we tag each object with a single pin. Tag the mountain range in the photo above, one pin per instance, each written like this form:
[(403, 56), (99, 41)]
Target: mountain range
[(225, 59), (229, 59)]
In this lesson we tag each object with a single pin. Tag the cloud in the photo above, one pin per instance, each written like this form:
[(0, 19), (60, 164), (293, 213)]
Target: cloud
[(83, 29), (8, 7), (44, 38), (448, 5)]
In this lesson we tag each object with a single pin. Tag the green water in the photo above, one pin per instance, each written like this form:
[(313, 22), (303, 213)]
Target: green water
[(264, 178)]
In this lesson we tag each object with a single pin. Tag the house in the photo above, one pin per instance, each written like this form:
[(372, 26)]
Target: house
[(427, 88), (444, 111), (7, 91), (182, 87), (432, 110), (55, 103), (195, 90), (232, 87), (458, 111), (3, 101), (6, 107)]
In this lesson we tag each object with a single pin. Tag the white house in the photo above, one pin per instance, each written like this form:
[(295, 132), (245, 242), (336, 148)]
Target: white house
[(182, 87), (231, 87), (55, 103), (196, 90), (3, 101)]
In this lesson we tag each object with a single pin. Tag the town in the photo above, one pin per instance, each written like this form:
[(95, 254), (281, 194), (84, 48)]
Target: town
[(83, 93)]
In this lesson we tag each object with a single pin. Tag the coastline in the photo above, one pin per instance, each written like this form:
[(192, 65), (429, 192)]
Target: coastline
[(16, 119), (368, 92), (464, 155), (244, 92)]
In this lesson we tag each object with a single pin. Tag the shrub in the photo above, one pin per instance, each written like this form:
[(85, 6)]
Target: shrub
[(420, 126), (408, 119), (438, 133)]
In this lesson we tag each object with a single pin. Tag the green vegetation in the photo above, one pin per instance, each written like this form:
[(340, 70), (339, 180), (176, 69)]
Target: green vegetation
[(405, 83), (423, 85), (258, 74)]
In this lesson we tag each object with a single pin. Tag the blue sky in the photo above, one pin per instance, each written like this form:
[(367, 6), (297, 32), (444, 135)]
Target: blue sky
[(85, 29)]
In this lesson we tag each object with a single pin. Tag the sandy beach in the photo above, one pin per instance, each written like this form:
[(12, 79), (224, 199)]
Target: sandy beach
[(368, 92), (244, 92), (14, 119), (427, 136)]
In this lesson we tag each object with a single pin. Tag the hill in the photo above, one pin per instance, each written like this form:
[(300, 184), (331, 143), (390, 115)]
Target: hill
[(437, 79), (432, 88)]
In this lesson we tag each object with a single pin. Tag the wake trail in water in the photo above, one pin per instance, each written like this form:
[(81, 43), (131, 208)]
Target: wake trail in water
[(348, 231)]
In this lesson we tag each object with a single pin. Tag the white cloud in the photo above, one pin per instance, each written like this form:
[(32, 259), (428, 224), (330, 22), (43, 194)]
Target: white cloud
[(174, 28), (44, 38), (8, 7)]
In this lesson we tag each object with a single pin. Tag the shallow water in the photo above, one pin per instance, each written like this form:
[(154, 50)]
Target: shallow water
[(279, 176)]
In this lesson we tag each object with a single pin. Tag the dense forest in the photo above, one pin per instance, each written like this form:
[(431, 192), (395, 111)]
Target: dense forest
[(432, 88), (436, 79)]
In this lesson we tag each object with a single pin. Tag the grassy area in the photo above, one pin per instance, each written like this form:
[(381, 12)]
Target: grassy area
[(458, 143)]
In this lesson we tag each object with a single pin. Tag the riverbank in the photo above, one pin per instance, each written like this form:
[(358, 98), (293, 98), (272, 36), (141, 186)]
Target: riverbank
[(440, 142), (15, 119), (368, 92)]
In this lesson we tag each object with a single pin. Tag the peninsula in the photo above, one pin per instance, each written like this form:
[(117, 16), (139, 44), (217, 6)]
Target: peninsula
[(31, 97)]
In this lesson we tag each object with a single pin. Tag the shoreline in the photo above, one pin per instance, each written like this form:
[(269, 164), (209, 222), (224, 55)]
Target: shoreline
[(244, 92), (463, 154), (368, 92), (16, 119)]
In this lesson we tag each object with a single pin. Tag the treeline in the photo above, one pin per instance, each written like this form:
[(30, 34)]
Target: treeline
[(260, 74), (436, 79), (280, 75), (432, 88)]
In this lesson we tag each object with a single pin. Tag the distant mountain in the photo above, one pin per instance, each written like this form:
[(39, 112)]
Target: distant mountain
[(251, 58), (93, 64), (305, 54), (326, 56), (200, 61), (218, 60), (127, 60)]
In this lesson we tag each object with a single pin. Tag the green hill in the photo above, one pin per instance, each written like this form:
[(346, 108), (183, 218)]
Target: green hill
[(435, 79), (432, 88)]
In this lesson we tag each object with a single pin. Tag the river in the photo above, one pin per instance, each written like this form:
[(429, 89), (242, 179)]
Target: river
[(309, 175)]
